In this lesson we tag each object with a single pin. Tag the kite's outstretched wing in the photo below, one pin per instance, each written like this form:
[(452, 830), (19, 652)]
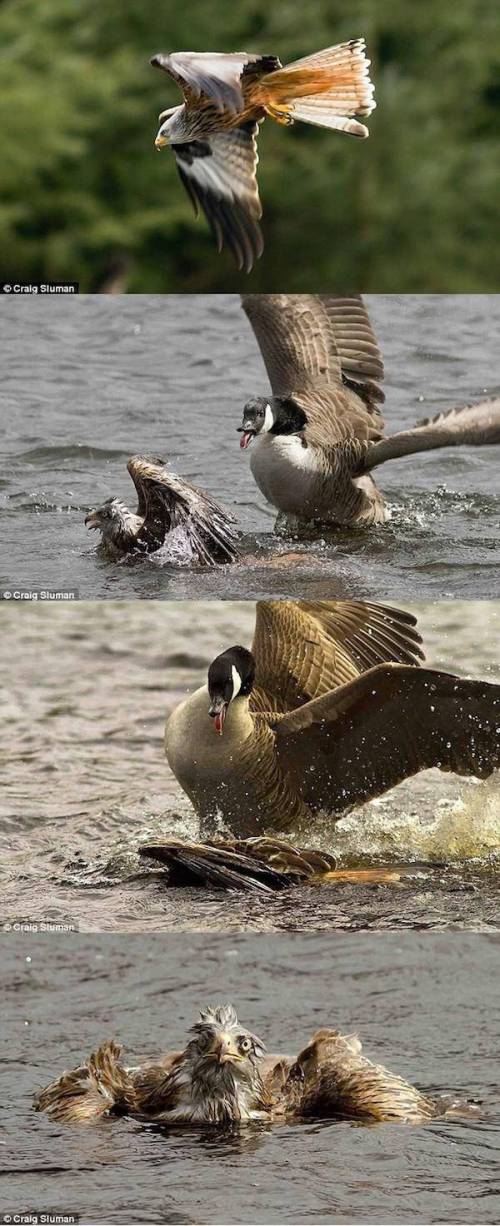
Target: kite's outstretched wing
[(255, 864), (388, 724), (265, 864), (219, 174), (166, 501), (215, 75)]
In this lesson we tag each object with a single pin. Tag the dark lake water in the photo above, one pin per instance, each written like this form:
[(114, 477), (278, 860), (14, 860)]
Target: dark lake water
[(87, 688), (90, 381), (425, 1005)]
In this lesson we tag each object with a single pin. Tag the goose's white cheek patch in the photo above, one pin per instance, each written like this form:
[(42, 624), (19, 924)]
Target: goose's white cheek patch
[(236, 681), (268, 419)]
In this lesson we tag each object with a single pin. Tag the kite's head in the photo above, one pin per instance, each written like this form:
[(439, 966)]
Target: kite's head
[(113, 520), (231, 675), (169, 130), (221, 1041)]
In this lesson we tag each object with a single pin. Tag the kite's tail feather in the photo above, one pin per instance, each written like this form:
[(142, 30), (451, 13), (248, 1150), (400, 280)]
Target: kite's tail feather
[(327, 89)]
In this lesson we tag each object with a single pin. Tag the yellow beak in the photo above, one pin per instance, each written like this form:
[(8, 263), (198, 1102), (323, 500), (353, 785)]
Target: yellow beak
[(225, 1049)]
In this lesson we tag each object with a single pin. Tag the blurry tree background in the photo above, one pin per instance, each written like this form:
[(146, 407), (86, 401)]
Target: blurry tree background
[(84, 195)]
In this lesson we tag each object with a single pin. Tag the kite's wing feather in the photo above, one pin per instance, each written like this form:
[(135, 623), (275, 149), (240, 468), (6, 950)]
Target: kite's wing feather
[(264, 864), (219, 174), (355, 743), (166, 501), (304, 648), (215, 75)]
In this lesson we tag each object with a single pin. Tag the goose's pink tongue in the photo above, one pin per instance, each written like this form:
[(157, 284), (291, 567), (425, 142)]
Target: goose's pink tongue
[(219, 721), (245, 440)]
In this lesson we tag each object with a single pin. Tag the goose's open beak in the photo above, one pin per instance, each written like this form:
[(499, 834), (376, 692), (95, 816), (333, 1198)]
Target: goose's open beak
[(92, 520), (247, 434), (217, 712)]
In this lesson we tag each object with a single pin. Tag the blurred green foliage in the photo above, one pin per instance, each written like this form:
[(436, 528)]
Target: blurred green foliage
[(84, 192)]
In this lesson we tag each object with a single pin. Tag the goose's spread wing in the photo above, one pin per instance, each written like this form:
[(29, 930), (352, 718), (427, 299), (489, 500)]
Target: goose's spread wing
[(474, 425), (165, 501), (349, 746), (304, 648), (214, 75), (219, 173), (316, 345)]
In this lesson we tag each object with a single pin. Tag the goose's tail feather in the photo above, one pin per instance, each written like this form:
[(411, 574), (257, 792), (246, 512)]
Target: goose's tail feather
[(94, 1089), (327, 89), (475, 425)]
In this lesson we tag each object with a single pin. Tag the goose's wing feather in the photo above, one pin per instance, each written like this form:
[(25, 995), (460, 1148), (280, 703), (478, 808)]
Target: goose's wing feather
[(313, 345), (473, 425), (303, 648), (353, 744), (166, 501), (214, 75), (220, 177)]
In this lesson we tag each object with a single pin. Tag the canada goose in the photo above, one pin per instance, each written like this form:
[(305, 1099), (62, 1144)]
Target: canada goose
[(199, 529), (213, 134), (223, 1076), (317, 438), (327, 711)]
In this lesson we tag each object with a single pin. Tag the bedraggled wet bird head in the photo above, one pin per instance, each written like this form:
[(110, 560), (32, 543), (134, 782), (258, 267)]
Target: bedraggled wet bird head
[(220, 1041), (113, 520), (231, 675), (275, 414)]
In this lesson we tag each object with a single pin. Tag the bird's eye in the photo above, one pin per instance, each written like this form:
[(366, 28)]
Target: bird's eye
[(244, 1043)]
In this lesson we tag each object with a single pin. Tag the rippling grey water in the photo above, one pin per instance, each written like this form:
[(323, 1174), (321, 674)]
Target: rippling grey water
[(425, 1005), (87, 688), (90, 381)]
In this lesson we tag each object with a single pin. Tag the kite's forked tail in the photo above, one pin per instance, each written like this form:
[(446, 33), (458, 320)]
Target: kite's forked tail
[(326, 89)]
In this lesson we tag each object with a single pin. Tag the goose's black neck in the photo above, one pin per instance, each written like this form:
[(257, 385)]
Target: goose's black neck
[(289, 417)]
